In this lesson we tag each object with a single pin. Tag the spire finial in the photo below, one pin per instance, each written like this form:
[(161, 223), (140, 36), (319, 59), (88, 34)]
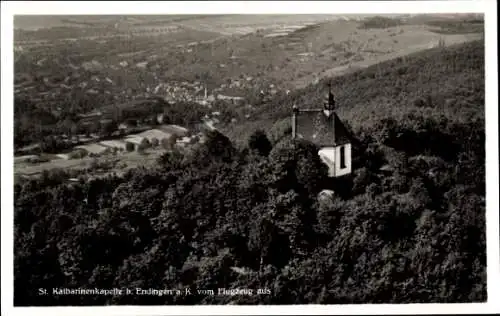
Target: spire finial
[(330, 100)]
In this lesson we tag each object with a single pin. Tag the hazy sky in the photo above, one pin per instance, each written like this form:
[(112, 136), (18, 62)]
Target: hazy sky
[(47, 21)]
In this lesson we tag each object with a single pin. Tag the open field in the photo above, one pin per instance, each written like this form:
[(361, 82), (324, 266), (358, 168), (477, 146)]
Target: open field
[(285, 49), (407, 40), (118, 164)]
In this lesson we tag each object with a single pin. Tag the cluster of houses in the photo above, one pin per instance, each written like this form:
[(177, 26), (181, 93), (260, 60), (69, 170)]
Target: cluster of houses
[(181, 91), (195, 92), (166, 136), (53, 87)]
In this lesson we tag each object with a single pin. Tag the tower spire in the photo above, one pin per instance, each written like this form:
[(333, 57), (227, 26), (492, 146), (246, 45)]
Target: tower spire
[(329, 111), (295, 112), (330, 104)]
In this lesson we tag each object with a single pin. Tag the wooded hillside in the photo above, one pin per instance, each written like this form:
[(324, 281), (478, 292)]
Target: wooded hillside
[(438, 82), (227, 216)]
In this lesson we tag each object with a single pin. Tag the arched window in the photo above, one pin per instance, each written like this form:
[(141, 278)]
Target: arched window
[(342, 157)]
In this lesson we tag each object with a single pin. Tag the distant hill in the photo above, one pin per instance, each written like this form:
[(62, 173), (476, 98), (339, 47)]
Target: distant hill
[(379, 22), (440, 81)]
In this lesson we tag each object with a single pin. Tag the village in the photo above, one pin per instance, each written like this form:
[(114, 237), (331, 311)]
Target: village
[(93, 81), (143, 73), (151, 141), (107, 132), (152, 136)]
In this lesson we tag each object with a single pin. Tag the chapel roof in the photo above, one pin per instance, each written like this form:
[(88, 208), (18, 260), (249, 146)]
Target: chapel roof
[(323, 130)]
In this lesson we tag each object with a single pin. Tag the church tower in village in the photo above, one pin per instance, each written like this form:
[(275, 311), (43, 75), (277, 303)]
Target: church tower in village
[(323, 127)]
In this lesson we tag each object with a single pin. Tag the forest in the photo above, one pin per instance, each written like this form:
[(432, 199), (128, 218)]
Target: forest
[(408, 226)]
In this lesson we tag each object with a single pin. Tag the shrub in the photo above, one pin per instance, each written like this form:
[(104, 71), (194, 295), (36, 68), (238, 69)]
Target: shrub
[(168, 143), (129, 146), (259, 142), (155, 142)]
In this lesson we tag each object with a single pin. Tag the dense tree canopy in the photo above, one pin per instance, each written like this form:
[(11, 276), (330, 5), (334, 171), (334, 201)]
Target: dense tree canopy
[(220, 217), (265, 215)]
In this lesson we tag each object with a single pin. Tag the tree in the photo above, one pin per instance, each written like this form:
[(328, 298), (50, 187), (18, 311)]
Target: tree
[(171, 141), (171, 160), (296, 165), (265, 240), (362, 180), (221, 217), (95, 127), (279, 130), (109, 127), (259, 142), (154, 142), (129, 146), (131, 122), (218, 146), (145, 144)]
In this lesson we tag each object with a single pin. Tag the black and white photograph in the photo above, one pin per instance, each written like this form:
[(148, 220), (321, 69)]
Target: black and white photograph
[(256, 159)]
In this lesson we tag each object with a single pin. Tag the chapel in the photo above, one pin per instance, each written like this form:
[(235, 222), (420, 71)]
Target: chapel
[(323, 127)]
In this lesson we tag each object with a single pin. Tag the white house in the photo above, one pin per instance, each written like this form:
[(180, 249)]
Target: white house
[(135, 140), (93, 149), (115, 144), (174, 129), (63, 156), (154, 133)]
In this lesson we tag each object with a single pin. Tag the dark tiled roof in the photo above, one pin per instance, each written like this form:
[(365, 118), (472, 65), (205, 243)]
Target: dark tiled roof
[(321, 130)]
